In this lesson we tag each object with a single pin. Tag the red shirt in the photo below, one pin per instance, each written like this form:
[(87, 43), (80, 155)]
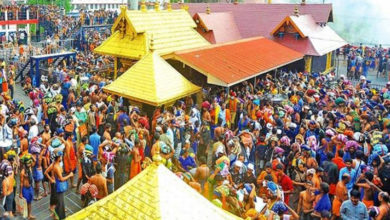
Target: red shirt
[(339, 162), (287, 185)]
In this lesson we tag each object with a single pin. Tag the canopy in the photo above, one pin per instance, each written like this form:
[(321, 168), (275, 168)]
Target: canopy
[(155, 193), (230, 63), (152, 81)]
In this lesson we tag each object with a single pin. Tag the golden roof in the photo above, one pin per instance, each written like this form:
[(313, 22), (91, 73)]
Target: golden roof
[(152, 81), (171, 30), (155, 193)]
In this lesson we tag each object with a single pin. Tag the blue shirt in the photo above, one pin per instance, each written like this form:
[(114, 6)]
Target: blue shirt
[(122, 118), (350, 211), (187, 162), (323, 204), (94, 141), (351, 173)]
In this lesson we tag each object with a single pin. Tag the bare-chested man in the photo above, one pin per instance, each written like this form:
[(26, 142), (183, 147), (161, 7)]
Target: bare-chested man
[(100, 182), (384, 208), (368, 198), (23, 142), (305, 204), (26, 181), (57, 172), (46, 134), (340, 196), (202, 172)]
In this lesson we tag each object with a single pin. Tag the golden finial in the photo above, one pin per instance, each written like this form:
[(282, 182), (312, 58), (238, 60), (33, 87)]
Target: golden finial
[(157, 5), (143, 6), (208, 9), (296, 11), (169, 6), (269, 1), (123, 9)]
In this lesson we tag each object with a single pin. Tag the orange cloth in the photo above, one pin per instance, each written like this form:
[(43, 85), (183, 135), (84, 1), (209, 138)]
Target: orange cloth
[(264, 173), (336, 207), (70, 160), (368, 203), (332, 189), (135, 168), (233, 104), (5, 86)]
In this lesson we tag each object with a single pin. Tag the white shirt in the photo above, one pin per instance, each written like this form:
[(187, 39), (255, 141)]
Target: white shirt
[(4, 110), (33, 132)]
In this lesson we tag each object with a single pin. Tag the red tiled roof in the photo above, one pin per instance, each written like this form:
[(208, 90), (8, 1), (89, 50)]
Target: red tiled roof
[(222, 26), (234, 62), (259, 19), (317, 40)]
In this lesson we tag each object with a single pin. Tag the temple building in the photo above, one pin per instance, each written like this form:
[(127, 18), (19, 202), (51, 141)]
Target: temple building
[(171, 30), (224, 22)]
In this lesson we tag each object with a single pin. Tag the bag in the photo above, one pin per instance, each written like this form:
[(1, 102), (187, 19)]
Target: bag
[(61, 186), (51, 109), (5, 86), (21, 206), (69, 126)]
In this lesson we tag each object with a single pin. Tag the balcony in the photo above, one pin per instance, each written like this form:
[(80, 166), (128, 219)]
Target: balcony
[(19, 15)]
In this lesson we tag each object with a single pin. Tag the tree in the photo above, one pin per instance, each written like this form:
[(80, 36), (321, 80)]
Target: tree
[(60, 3)]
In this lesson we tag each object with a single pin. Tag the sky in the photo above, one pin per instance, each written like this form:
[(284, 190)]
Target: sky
[(358, 21)]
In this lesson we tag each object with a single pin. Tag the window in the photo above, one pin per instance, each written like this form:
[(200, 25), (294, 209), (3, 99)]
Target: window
[(108, 6), (96, 6)]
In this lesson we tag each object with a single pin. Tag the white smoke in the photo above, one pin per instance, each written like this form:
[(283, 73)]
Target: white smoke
[(358, 21)]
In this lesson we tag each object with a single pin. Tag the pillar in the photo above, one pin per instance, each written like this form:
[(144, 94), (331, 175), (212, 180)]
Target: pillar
[(28, 27), (6, 26), (328, 61), (37, 74), (115, 67), (308, 64)]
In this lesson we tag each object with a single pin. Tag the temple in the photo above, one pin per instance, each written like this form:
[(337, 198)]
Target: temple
[(132, 32), (223, 22), (152, 194)]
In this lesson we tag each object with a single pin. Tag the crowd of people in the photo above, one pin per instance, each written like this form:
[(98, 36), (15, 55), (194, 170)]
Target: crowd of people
[(19, 12), (297, 146), (361, 59), (290, 146)]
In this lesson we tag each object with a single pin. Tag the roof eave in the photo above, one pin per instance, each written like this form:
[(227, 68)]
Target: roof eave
[(260, 73)]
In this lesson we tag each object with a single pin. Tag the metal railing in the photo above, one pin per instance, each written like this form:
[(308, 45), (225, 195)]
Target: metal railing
[(18, 15), (56, 46)]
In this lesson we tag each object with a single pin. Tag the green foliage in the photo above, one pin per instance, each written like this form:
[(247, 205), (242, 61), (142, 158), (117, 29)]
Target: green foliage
[(60, 3)]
